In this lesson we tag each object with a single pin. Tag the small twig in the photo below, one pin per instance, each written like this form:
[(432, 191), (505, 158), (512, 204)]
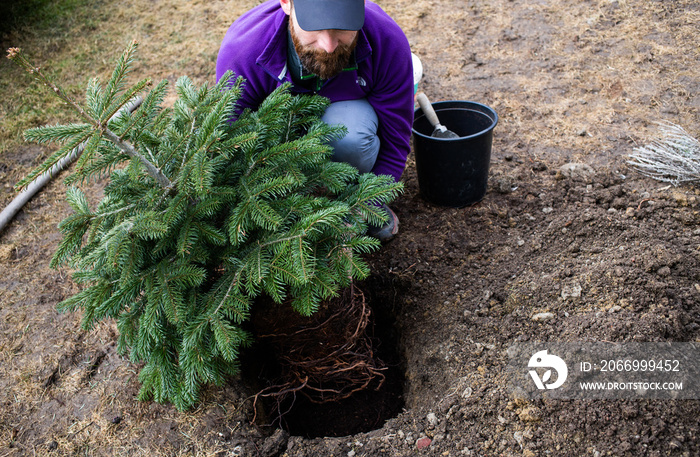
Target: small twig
[(640, 203), (73, 435), (17, 56)]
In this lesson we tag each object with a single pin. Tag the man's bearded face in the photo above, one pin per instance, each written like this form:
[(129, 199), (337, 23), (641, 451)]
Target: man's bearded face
[(317, 60)]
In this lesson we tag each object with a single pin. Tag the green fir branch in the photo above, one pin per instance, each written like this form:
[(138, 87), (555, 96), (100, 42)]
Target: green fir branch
[(56, 157), (56, 133), (116, 84)]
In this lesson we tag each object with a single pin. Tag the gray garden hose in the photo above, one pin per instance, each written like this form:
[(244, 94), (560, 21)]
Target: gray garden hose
[(20, 200)]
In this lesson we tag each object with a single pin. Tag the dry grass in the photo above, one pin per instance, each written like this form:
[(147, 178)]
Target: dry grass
[(591, 76)]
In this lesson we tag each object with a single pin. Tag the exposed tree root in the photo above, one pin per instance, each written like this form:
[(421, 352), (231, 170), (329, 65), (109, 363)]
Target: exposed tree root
[(326, 357)]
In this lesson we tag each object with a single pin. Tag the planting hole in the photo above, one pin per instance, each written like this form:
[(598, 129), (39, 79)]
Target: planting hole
[(335, 373)]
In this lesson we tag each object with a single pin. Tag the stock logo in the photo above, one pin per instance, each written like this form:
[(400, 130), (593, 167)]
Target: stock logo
[(551, 362)]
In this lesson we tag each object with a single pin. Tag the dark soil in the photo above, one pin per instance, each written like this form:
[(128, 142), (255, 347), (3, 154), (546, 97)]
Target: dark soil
[(335, 373), (612, 255)]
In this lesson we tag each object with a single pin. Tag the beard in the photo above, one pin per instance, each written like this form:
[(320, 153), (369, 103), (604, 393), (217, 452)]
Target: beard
[(323, 64)]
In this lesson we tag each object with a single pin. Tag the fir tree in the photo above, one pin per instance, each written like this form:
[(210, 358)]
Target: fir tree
[(202, 215)]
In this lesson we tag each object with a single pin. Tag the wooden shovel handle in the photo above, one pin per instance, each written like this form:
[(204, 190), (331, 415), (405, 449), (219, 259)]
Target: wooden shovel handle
[(427, 108)]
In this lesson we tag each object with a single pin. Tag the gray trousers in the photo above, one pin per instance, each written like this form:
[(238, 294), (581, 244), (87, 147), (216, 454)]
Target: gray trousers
[(360, 146)]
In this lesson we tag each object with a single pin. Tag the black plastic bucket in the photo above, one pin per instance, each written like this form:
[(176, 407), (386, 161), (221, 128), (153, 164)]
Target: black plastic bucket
[(454, 172)]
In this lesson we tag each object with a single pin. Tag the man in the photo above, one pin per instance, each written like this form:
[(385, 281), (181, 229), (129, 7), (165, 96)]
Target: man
[(349, 51)]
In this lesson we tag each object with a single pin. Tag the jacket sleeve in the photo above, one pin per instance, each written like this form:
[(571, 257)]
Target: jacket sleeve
[(253, 92), (245, 44), (392, 100)]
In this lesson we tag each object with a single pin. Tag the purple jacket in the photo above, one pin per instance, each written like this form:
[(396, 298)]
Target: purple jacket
[(255, 47)]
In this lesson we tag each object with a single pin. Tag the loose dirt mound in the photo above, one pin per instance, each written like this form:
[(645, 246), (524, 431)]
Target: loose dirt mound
[(611, 255)]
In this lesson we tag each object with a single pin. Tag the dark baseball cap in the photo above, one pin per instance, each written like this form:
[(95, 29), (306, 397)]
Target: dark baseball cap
[(330, 14)]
